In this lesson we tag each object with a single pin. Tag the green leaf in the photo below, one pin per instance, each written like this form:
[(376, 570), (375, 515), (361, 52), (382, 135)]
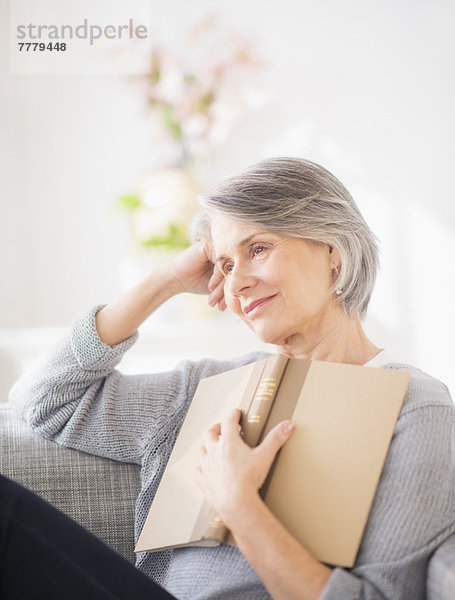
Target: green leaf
[(189, 78), (205, 102), (176, 238), (129, 202), (174, 126)]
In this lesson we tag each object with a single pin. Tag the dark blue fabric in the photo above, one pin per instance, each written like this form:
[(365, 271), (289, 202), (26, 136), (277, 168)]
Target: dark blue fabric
[(45, 554)]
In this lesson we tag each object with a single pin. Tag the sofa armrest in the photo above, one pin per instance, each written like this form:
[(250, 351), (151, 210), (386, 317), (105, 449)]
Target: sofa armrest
[(97, 492)]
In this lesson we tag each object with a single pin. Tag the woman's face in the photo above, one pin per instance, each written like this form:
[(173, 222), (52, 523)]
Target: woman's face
[(280, 286)]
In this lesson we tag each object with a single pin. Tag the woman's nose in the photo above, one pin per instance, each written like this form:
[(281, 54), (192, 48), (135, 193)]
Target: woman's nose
[(240, 279)]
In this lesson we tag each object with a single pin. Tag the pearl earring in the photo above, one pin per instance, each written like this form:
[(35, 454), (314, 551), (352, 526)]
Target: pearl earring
[(339, 291)]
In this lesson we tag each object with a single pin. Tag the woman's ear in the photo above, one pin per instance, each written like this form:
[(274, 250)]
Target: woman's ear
[(334, 258)]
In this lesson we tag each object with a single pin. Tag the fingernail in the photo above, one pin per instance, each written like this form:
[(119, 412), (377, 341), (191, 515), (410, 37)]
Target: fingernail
[(287, 427)]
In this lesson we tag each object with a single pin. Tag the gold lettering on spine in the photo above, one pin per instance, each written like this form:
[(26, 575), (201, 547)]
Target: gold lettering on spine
[(216, 522), (265, 392)]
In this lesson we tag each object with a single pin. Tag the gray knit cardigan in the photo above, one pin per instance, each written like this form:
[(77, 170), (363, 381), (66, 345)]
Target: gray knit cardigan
[(77, 398)]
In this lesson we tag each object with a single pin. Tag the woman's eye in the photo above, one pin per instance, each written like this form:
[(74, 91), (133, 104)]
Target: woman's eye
[(257, 250), (227, 268)]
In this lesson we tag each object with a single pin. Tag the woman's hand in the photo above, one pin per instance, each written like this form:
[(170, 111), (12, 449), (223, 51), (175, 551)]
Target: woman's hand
[(194, 272), (229, 471), (191, 271)]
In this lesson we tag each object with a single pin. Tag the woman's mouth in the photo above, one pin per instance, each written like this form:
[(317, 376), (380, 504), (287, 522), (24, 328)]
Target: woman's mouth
[(253, 307)]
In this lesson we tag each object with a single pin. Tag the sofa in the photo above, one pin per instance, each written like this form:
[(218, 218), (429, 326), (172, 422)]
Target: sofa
[(100, 493), (97, 492)]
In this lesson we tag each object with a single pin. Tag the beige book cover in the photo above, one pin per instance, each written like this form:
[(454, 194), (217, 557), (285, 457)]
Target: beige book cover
[(323, 482)]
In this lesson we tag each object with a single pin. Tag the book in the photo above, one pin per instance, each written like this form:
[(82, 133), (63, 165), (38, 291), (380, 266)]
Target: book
[(323, 481)]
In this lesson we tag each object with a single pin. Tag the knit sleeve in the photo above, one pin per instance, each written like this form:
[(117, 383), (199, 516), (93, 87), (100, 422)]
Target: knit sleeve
[(77, 398), (414, 507)]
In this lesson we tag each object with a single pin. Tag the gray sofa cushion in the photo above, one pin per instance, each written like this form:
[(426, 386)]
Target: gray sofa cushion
[(98, 493)]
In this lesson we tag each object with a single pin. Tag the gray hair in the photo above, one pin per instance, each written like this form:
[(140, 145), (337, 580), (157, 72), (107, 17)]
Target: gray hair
[(294, 197)]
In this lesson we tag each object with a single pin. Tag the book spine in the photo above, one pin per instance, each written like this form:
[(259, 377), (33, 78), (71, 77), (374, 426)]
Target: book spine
[(211, 524), (256, 417), (253, 424)]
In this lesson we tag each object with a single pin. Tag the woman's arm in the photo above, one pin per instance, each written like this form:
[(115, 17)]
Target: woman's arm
[(285, 567), (192, 271), (230, 474), (75, 396)]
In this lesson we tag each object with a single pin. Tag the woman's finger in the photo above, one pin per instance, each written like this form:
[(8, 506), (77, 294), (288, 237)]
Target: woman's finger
[(211, 435), (274, 440), (231, 425), (216, 294), (215, 279)]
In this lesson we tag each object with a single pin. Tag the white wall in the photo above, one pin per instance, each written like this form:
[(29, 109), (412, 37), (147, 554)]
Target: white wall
[(364, 87)]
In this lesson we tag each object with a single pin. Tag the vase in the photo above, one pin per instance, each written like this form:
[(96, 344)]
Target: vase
[(169, 198)]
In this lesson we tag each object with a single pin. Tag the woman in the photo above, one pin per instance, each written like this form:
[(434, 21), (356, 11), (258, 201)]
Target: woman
[(296, 261)]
